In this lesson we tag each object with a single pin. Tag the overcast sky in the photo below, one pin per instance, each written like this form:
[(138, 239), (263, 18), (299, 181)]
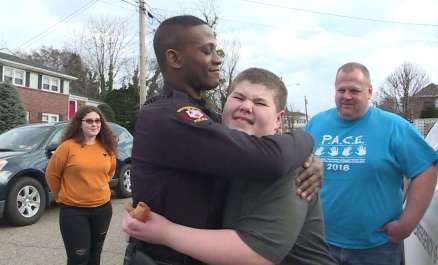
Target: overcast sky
[(304, 42)]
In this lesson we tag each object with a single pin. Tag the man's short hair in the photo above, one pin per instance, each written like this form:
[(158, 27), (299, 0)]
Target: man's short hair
[(170, 35), (351, 66), (268, 79)]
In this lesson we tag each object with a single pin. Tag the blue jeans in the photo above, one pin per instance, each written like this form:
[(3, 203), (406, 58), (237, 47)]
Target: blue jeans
[(386, 254)]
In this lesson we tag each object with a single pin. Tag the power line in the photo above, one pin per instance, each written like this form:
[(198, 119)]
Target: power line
[(233, 21), (129, 3), (145, 11), (7, 50), (329, 30), (339, 15), (114, 4), (50, 29)]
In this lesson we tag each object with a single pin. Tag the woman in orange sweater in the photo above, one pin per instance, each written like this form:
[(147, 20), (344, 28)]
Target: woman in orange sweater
[(78, 174)]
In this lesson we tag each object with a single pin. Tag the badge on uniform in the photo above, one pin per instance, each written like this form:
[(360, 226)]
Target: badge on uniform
[(190, 113)]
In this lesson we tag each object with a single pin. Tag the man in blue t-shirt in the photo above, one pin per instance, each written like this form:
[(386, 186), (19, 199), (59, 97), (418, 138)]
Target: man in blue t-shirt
[(366, 152)]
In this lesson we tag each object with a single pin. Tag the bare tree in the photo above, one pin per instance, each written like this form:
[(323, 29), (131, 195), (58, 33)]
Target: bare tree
[(68, 62), (398, 90), (105, 47), (209, 12), (229, 51), (3, 45), (228, 70), (154, 79)]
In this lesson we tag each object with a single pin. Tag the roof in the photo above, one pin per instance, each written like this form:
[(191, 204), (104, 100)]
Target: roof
[(430, 90), (29, 65), (294, 113)]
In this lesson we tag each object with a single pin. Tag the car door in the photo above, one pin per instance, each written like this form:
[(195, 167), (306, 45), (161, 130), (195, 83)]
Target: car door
[(421, 247)]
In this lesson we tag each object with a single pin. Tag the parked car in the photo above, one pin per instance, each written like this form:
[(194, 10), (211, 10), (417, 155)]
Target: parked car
[(421, 247), (24, 153)]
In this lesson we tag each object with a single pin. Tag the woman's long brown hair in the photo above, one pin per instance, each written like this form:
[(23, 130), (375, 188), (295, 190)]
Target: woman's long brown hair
[(106, 136)]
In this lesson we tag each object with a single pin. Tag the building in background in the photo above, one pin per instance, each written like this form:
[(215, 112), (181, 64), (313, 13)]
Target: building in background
[(45, 92), (293, 120), (426, 108)]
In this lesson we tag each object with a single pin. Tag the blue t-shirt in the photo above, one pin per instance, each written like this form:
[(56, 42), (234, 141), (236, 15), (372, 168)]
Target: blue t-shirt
[(364, 161)]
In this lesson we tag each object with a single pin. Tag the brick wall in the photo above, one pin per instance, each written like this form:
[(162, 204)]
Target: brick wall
[(37, 101)]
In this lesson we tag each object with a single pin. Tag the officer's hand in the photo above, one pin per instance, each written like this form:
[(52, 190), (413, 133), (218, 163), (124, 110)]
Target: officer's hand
[(309, 180), (396, 230), (153, 230)]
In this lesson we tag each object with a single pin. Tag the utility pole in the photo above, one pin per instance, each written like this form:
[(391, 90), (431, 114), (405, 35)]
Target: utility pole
[(305, 107), (142, 61)]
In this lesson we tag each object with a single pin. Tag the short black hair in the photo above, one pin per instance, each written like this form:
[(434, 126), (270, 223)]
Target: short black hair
[(267, 78), (170, 35)]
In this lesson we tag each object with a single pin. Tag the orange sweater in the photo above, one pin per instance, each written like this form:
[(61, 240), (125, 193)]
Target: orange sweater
[(79, 176)]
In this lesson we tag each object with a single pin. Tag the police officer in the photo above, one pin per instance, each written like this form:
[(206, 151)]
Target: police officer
[(182, 157)]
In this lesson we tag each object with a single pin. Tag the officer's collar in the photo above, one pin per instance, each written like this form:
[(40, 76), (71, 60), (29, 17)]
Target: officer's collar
[(171, 90)]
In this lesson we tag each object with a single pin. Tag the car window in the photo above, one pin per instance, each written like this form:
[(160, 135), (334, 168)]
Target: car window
[(124, 137), (23, 138), (122, 134), (432, 136), (56, 138)]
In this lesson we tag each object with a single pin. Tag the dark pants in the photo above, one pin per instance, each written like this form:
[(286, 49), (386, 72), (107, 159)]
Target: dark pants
[(141, 253), (83, 231), (386, 254)]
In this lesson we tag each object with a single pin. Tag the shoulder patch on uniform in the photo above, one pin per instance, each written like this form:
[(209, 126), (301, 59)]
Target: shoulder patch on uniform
[(190, 113)]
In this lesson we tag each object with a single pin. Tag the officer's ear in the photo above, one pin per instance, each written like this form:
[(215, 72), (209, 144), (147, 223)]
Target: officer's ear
[(174, 58)]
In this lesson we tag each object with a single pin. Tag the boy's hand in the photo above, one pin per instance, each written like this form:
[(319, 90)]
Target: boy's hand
[(141, 212), (153, 230)]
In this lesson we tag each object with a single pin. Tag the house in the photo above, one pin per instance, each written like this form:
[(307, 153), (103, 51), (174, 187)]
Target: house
[(45, 92), (76, 102), (293, 120), (426, 108), (426, 99)]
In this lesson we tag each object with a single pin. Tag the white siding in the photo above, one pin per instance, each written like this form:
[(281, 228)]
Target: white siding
[(66, 87), (33, 83)]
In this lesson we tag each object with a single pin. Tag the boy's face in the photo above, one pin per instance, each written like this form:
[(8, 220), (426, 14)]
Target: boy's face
[(251, 108)]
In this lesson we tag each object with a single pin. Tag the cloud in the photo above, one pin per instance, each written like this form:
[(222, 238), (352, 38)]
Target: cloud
[(424, 11), (301, 47), (307, 49), (17, 24)]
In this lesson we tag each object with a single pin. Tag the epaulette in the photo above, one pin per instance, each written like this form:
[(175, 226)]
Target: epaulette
[(154, 98)]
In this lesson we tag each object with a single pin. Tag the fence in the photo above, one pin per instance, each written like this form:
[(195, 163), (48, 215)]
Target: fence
[(424, 125)]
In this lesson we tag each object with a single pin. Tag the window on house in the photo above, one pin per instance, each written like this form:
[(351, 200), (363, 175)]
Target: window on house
[(19, 77), (49, 117), (46, 82), (50, 83), (8, 74), (54, 84), (14, 76)]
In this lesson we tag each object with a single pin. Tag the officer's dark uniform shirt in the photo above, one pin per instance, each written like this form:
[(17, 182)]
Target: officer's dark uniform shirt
[(182, 158)]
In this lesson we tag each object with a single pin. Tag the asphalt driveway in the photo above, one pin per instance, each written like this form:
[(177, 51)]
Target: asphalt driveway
[(41, 243)]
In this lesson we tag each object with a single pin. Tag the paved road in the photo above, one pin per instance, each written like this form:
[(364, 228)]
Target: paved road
[(41, 243)]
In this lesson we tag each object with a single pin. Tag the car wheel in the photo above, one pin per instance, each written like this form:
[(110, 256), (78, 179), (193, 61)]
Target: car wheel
[(124, 184), (26, 201)]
